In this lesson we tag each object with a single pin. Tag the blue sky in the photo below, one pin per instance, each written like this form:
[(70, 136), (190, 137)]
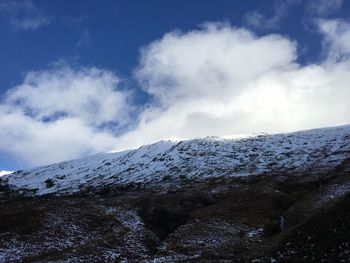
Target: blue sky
[(80, 77), (110, 33)]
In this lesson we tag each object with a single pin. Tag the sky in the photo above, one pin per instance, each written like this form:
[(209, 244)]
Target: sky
[(85, 76)]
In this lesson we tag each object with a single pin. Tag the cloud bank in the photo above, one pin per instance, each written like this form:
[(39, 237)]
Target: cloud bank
[(217, 80)]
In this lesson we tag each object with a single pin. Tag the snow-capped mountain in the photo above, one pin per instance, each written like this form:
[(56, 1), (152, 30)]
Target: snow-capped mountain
[(195, 200), (198, 159)]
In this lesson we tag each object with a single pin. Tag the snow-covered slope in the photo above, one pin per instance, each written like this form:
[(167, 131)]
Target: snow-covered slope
[(198, 159), (5, 172)]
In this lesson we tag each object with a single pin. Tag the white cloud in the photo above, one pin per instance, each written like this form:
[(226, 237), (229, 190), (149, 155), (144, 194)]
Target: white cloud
[(61, 113), (88, 94), (323, 7), (337, 38), (217, 58), (24, 14)]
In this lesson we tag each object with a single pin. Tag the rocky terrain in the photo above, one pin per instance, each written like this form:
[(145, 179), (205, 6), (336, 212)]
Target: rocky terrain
[(264, 198)]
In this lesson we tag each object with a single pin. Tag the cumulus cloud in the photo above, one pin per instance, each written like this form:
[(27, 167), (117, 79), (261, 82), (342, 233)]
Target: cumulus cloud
[(218, 57), (23, 14), (216, 80), (87, 93), (62, 113)]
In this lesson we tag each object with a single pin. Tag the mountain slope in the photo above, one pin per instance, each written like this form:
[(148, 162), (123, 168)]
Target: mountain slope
[(167, 163), (229, 219), (199, 200)]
